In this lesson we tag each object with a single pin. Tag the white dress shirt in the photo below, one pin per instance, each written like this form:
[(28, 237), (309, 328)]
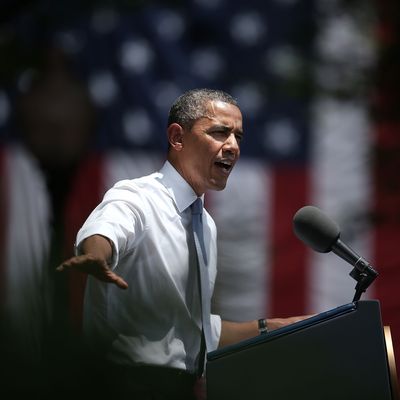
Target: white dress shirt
[(157, 320)]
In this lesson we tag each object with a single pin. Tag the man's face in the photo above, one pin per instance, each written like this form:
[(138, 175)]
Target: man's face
[(211, 147)]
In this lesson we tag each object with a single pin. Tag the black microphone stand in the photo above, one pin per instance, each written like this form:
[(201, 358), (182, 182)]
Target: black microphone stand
[(364, 274)]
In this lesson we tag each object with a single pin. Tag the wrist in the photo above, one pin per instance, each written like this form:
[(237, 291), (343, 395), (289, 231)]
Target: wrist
[(262, 326)]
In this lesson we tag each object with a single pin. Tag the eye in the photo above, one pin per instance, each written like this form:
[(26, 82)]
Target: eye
[(239, 137), (218, 133), (221, 133)]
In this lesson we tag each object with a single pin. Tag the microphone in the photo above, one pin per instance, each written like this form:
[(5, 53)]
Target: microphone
[(322, 234)]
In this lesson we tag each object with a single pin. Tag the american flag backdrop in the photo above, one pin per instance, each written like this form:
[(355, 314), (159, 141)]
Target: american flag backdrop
[(313, 87)]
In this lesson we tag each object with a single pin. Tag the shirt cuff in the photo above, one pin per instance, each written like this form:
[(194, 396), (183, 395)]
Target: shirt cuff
[(102, 230), (215, 331)]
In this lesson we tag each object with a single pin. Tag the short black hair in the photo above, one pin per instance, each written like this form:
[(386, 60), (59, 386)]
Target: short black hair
[(192, 105)]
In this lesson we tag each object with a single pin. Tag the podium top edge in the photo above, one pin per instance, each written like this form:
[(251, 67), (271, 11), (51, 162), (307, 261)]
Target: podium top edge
[(323, 316)]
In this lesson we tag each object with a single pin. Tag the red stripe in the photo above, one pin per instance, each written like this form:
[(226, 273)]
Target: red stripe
[(387, 228), (386, 170), (288, 287), (3, 221), (86, 193)]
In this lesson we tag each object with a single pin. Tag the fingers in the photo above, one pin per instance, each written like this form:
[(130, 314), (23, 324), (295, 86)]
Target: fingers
[(93, 266), (65, 265), (71, 263), (120, 282), (112, 277)]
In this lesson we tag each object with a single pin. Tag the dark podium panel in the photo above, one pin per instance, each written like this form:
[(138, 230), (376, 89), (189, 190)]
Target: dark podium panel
[(338, 354)]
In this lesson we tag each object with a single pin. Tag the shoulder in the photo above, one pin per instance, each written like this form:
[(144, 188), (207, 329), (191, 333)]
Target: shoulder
[(136, 192), (137, 185)]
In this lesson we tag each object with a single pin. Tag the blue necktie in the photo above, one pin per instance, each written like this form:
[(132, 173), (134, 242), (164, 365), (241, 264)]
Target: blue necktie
[(205, 297)]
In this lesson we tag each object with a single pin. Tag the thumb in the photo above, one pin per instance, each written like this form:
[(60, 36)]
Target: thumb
[(121, 283), (112, 277)]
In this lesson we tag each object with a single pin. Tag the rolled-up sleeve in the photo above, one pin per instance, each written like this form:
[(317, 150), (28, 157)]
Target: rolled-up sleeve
[(215, 330), (102, 229), (115, 219)]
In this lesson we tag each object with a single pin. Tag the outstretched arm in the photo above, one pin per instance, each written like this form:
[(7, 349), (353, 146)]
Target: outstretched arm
[(233, 332), (95, 260)]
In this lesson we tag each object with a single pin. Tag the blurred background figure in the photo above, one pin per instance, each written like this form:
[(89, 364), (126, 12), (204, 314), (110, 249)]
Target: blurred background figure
[(318, 85), (52, 177), (42, 171)]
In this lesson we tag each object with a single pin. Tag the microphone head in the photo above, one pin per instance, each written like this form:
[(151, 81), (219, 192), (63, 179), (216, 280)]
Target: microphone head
[(315, 229)]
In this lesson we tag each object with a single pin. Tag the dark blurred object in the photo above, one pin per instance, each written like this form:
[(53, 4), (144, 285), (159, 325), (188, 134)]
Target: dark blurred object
[(10, 9), (56, 115), (45, 170)]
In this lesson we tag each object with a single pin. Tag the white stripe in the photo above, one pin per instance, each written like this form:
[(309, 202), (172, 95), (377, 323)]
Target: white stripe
[(241, 213), (120, 165), (27, 246), (341, 188)]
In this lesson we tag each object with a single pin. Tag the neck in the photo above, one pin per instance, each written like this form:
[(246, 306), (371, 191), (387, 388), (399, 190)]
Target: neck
[(178, 166)]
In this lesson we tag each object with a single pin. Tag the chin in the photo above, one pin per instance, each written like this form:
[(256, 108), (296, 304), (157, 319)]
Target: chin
[(218, 186)]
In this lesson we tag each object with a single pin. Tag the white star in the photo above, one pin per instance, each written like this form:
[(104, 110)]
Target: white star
[(206, 63), (248, 28), (165, 92), (103, 88), (249, 97), (71, 41), (281, 137), (137, 126), (170, 25), (136, 55), (283, 61)]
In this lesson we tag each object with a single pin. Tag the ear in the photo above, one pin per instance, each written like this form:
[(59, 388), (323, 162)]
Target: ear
[(175, 136)]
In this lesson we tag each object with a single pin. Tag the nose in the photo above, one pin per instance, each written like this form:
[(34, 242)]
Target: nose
[(231, 144)]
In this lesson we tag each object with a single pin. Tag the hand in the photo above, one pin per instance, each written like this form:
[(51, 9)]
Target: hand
[(95, 266), (275, 323)]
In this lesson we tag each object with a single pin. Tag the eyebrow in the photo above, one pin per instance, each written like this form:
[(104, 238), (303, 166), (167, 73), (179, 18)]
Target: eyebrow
[(224, 128)]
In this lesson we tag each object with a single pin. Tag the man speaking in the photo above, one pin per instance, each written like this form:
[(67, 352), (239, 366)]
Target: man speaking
[(153, 239)]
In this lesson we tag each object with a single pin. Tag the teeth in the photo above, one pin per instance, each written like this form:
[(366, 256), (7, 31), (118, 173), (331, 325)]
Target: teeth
[(225, 165)]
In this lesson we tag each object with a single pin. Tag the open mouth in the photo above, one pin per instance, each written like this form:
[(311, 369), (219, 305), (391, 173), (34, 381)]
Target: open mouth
[(224, 165)]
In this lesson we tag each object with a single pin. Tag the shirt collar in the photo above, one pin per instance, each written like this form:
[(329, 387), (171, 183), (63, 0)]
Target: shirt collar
[(179, 189)]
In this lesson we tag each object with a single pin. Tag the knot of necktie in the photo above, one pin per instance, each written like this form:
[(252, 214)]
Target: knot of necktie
[(197, 206)]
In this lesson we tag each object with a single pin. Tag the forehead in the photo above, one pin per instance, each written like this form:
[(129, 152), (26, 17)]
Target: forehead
[(223, 112)]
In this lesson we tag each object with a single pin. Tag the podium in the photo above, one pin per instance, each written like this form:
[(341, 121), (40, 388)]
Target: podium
[(338, 354)]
